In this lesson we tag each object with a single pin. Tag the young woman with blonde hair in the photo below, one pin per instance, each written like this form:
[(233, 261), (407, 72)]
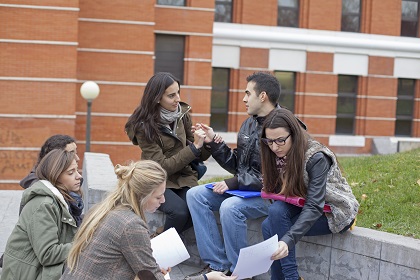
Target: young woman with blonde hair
[(41, 240), (113, 241)]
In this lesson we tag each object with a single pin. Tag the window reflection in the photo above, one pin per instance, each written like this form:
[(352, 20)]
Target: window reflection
[(220, 99), (405, 107), (288, 89), (223, 11), (288, 13), (346, 104), (350, 16), (171, 2), (409, 18)]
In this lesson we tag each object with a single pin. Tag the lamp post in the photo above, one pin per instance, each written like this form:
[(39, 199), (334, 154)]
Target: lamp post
[(89, 91)]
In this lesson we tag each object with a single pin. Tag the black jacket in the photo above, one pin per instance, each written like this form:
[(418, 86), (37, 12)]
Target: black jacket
[(244, 161)]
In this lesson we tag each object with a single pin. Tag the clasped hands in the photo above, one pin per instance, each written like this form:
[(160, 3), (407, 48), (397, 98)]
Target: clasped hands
[(205, 133)]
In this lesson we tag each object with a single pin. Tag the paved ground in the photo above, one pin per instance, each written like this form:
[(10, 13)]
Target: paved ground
[(9, 211)]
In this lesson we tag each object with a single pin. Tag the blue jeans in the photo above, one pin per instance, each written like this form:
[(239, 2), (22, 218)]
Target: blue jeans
[(234, 212), (281, 217)]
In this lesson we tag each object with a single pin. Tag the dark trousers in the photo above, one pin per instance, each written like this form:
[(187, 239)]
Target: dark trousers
[(176, 210)]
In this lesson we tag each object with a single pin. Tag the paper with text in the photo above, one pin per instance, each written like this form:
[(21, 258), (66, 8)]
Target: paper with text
[(255, 260), (168, 249)]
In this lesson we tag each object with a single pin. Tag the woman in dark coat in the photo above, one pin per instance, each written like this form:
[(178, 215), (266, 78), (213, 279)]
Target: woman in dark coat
[(161, 126)]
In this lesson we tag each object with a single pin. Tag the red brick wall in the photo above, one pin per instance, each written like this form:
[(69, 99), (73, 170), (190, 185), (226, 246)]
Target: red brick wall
[(383, 17), (33, 24), (122, 76), (254, 12), (36, 66), (316, 61), (253, 57), (381, 65), (323, 15)]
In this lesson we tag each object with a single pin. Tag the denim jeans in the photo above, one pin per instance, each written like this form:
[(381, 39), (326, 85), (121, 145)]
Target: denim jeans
[(281, 217), (234, 212)]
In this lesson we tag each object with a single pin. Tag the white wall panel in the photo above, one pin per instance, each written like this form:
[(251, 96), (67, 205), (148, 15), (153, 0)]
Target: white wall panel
[(351, 64), (407, 68), (287, 60), (226, 56)]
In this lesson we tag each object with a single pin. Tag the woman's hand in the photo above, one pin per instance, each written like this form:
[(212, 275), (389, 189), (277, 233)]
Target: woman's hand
[(210, 135), (217, 275), (281, 252), (165, 271), (199, 137)]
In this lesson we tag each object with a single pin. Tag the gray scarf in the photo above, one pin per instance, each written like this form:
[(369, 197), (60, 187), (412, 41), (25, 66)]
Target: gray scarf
[(168, 117)]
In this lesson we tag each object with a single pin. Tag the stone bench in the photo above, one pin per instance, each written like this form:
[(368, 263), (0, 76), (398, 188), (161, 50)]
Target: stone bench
[(358, 254)]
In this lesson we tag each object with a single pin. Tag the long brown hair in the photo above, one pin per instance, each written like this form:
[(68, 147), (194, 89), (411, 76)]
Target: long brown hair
[(136, 183), (147, 114), (52, 165), (290, 182)]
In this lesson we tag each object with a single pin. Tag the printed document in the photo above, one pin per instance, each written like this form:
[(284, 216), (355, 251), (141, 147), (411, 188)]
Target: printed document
[(168, 249), (256, 259)]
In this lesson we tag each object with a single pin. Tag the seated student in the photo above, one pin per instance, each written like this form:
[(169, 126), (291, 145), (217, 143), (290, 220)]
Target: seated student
[(63, 142), (293, 164), (221, 251), (161, 127), (57, 141), (113, 241), (41, 240)]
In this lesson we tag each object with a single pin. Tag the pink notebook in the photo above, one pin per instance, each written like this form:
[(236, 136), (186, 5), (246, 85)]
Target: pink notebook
[(295, 200)]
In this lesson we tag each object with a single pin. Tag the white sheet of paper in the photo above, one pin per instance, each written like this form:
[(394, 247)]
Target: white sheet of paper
[(255, 260), (168, 249)]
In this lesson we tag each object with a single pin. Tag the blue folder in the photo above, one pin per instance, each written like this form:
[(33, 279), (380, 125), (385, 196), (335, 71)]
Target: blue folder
[(239, 193)]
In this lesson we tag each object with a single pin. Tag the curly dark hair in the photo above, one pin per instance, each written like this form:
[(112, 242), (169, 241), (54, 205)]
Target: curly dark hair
[(58, 141)]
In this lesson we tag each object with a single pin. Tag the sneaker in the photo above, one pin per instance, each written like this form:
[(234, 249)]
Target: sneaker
[(206, 270)]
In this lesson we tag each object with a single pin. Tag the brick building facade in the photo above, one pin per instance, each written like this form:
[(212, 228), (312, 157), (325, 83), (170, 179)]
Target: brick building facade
[(49, 48)]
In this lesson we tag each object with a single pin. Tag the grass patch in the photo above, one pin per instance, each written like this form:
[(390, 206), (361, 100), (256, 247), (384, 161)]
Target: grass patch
[(388, 189)]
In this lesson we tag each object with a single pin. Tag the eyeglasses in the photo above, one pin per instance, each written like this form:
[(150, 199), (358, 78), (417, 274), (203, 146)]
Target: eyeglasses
[(279, 141)]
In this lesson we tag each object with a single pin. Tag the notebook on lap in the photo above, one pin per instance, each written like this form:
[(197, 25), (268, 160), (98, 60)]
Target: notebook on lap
[(239, 193)]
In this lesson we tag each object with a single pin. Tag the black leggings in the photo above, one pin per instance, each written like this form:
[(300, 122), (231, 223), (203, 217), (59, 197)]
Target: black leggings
[(176, 210)]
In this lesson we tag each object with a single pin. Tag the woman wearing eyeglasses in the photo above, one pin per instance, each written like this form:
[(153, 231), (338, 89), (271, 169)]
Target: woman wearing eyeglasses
[(294, 164)]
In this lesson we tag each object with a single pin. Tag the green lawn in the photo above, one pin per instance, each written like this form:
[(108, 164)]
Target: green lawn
[(388, 189)]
